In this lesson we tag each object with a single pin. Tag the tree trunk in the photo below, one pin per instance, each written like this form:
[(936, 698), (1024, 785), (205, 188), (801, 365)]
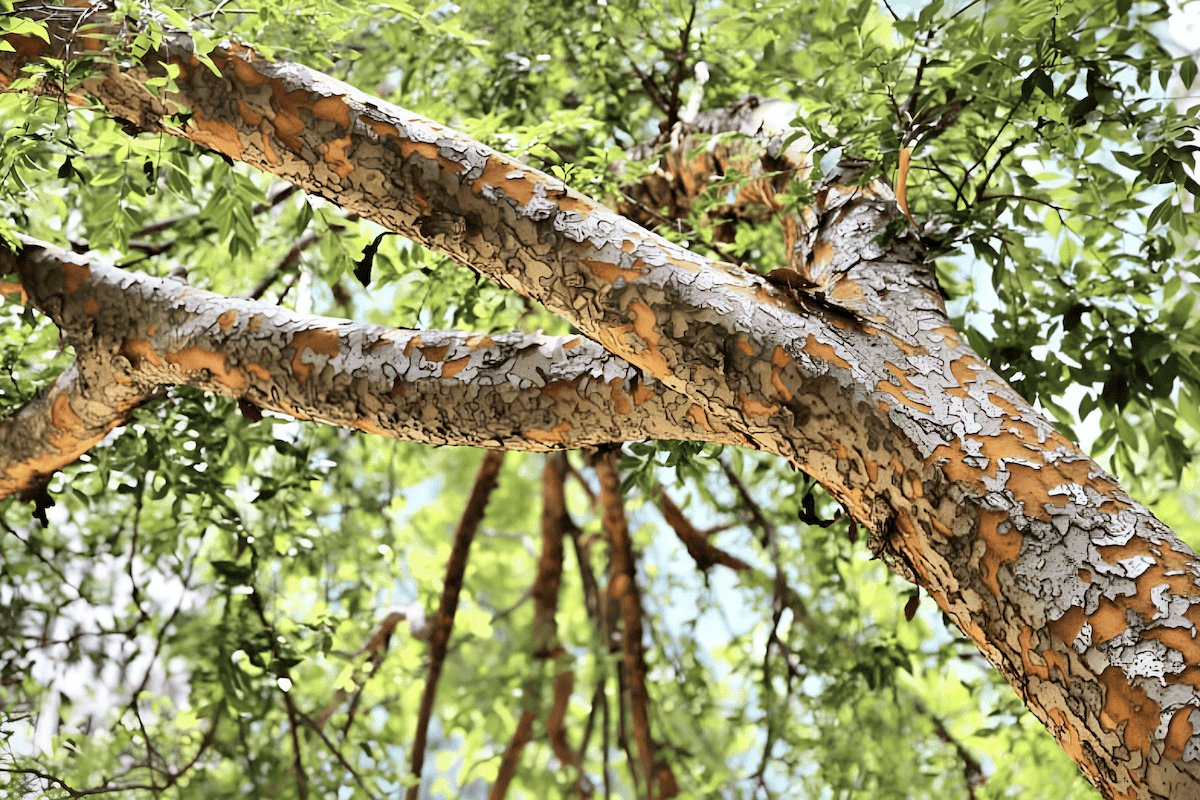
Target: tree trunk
[(851, 371)]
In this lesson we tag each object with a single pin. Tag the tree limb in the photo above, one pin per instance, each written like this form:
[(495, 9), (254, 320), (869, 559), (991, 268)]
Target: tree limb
[(485, 482)]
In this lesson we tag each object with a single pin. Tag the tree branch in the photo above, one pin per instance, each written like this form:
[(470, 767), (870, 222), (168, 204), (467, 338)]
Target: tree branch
[(622, 589), (485, 482)]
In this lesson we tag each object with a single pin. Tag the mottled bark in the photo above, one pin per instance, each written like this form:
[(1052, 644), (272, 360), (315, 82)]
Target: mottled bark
[(133, 334), (1083, 600)]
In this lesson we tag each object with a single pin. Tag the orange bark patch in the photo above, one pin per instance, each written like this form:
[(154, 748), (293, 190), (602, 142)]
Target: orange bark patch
[(428, 150), (965, 371), (422, 201), (255, 322), (1108, 621), (496, 172), (452, 368), (571, 345), (779, 360), (381, 128), (227, 319), (217, 135), (410, 344), (1001, 548), (64, 418), (1128, 705), (137, 349), (1179, 730), (641, 394), (620, 404), (906, 385), (196, 359), (941, 528), (335, 157), (754, 408), (287, 122), (822, 254), (551, 437), (10, 288), (323, 341), (909, 533), (252, 117), (30, 47), (74, 275), (1068, 738), (643, 325), (370, 426), (555, 390), (332, 109), (482, 342), (1055, 661), (90, 306), (872, 470), (696, 414), (606, 271), (949, 336), (845, 290), (398, 388), (247, 75), (1068, 626), (1180, 639), (824, 352), (257, 371), (435, 353), (746, 348), (1189, 676)]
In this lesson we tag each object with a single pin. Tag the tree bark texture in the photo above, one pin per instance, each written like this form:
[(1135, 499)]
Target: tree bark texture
[(850, 370)]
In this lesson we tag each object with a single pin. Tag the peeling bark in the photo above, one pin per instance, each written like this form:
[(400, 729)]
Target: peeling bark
[(133, 334), (854, 373)]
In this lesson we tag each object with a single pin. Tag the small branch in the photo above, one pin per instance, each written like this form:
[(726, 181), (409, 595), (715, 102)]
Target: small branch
[(703, 552), (756, 515), (972, 769), (289, 260), (544, 591), (154, 228), (623, 590), (485, 482), (333, 749), (512, 754), (555, 523)]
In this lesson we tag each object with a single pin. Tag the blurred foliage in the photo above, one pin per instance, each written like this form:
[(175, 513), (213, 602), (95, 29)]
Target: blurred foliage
[(205, 576)]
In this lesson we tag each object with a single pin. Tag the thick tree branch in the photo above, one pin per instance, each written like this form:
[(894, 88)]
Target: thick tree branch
[(134, 334)]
